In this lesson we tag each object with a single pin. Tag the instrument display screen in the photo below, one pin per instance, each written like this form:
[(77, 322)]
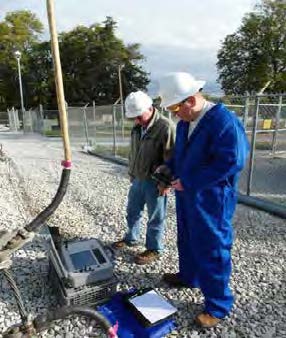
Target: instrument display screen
[(82, 259)]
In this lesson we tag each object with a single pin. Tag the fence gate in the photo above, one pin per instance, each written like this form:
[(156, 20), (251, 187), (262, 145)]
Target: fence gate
[(4, 120), (14, 123)]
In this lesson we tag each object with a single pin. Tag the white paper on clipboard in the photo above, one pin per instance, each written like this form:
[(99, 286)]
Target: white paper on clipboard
[(153, 306)]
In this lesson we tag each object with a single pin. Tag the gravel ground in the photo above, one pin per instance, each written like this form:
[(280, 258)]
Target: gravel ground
[(95, 207)]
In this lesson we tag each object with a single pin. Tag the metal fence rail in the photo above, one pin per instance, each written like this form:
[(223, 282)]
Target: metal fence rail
[(264, 118), (270, 119), (104, 130)]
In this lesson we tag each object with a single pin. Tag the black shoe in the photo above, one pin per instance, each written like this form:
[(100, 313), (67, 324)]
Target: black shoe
[(173, 280)]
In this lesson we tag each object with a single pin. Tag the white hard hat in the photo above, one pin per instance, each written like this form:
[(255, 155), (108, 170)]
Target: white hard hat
[(137, 103), (177, 86)]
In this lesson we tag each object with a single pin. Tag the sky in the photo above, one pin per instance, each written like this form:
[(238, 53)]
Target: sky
[(175, 35)]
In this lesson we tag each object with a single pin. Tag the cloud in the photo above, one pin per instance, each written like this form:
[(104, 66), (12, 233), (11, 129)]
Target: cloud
[(164, 59), (175, 35), (168, 22), (36, 6)]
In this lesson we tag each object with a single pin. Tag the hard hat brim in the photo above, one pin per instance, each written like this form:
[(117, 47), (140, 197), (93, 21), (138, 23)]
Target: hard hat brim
[(133, 114)]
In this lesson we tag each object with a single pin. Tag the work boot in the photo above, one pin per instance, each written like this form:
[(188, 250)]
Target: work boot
[(205, 320), (122, 244), (173, 280), (146, 257)]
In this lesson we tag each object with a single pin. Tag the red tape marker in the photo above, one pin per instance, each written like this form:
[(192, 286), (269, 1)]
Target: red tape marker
[(66, 164), (112, 332)]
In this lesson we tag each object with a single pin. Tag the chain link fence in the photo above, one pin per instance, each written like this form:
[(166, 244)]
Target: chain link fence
[(31, 120), (264, 118), (270, 121), (101, 128), (105, 131), (14, 122), (112, 130), (4, 120)]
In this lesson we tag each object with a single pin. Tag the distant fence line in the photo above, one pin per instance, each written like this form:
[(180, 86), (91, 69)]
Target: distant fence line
[(263, 114), (104, 128)]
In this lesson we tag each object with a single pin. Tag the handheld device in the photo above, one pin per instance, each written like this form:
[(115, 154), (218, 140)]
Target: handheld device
[(162, 179)]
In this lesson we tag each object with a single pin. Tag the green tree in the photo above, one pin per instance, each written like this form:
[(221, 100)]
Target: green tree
[(19, 30), (91, 57), (256, 52), (39, 79)]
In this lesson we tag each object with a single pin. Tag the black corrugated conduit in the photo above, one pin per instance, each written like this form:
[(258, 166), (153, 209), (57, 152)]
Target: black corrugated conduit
[(50, 209), (249, 201), (263, 205)]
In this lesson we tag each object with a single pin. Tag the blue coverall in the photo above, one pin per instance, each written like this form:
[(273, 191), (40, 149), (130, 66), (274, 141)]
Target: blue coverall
[(208, 165)]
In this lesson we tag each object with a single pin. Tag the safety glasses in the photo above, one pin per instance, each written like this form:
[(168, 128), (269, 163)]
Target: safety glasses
[(176, 107)]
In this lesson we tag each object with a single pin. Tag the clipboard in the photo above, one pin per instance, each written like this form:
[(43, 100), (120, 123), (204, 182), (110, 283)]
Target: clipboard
[(150, 307)]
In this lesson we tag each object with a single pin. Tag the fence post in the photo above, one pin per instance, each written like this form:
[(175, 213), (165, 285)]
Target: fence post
[(93, 109), (114, 130), (31, 120), (9, 119), (12, 119), (253, 141), (94, 119), (16, 114), (41, 110), (246, 109), (85, 125), (26, 121), (122, 121), (120, 67), (23, 121), (277, 125)]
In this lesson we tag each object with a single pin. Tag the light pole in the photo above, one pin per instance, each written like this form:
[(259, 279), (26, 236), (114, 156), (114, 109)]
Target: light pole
[(18, 57), (120, 67)]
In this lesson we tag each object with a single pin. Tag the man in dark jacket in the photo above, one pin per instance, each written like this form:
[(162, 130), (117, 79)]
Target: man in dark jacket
[(152, 140), (210, 151)]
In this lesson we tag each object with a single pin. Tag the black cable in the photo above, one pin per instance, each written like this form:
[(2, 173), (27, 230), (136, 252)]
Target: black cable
[(17, 295), (42, 322)]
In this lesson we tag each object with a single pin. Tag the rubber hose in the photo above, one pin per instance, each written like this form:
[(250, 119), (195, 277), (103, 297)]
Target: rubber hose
[(50, 209)]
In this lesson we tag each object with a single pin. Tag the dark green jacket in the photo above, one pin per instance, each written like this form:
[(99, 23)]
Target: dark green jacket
[(151, 150)]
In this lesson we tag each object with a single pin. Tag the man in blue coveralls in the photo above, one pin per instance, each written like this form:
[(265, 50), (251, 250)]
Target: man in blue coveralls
[(210, 151)]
